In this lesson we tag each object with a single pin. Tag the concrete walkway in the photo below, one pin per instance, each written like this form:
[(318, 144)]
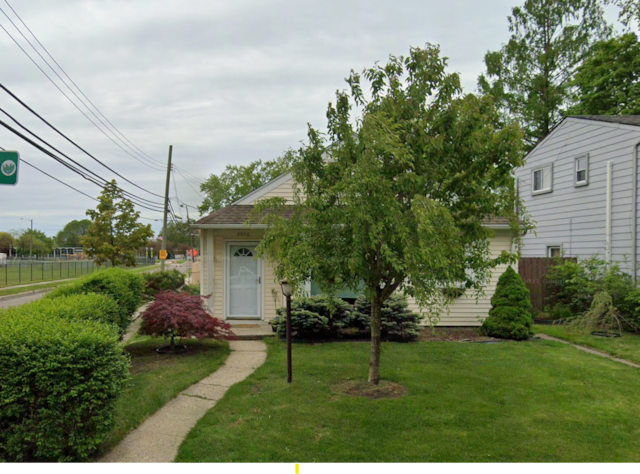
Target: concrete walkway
[(589, 350), (158, 438)]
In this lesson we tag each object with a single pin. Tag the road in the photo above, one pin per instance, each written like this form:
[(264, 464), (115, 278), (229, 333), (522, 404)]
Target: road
[(18, 300)]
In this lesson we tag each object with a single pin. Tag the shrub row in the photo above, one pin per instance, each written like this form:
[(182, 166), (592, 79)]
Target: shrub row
[(60, 373), (157, 282), (124, 287), (325, 317), (577, 283)]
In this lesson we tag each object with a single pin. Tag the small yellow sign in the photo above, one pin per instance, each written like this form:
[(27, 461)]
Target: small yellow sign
[(163, 254)]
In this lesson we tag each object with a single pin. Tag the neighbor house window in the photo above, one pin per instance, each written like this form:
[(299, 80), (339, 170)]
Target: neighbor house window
[(554, 251), (542, 180), (582, 170)]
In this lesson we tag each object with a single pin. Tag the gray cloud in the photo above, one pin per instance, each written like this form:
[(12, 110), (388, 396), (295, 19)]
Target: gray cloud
[(224, 82)]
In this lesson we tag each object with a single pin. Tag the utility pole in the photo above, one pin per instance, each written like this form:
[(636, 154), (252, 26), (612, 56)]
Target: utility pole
[(166, 208), (193, 257)]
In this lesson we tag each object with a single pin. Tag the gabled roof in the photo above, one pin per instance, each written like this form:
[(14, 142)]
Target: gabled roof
[(235, 216), (264, 189), (621, 119)]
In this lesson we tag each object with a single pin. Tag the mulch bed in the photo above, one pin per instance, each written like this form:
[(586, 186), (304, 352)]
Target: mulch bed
[(360, 388), (454, 335)]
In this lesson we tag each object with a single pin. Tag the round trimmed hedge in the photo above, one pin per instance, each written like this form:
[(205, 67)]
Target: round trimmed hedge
[(124, 287), (89, 307), (59, 379)]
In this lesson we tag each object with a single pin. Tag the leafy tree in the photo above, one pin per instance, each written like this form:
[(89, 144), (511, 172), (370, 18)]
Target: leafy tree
[(400, 203), (237, 181), (629, 11), (115, 233), (178, 236), (530, 76), (71, 234), (510, 313), (608, 82), (40, 245), (6, 242)]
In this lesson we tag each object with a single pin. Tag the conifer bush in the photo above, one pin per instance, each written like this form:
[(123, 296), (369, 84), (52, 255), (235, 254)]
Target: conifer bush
[(510, 314)]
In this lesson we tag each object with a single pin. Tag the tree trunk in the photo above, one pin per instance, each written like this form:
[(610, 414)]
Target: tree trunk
[(376, 329)]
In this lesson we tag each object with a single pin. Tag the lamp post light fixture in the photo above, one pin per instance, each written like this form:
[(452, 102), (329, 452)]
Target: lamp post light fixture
[(287, 291)]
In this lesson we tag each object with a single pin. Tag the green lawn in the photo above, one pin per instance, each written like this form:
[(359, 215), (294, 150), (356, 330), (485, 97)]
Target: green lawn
[(625, 347), (25, 289), (530, 401), (156, 379)]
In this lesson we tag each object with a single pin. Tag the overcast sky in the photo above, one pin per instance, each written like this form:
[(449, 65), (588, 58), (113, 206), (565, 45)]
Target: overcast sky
[(222, 81)]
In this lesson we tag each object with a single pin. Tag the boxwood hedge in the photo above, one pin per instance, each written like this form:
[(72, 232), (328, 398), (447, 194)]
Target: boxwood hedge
[(124, 287), (58, 382), (89, 307)]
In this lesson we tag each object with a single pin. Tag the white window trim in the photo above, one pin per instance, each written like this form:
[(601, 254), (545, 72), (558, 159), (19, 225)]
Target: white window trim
[(577, 183), (550, 186), (556, 246)]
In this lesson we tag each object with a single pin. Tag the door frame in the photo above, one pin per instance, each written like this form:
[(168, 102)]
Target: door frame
[(227, 275)]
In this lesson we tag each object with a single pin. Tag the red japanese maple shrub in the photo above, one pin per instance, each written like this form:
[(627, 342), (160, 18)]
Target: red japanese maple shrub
[(182, 315)]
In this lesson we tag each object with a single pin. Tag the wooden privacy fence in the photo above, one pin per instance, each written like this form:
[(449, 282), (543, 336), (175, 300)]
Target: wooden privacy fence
[(533, 271)]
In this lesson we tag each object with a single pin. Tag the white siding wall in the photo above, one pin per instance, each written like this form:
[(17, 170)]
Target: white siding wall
[(575, 217)]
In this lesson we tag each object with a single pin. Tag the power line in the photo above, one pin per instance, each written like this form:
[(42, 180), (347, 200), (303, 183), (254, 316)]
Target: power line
[(22, 160), (189, 184), (64, 136), (68, 98), (72, 168), (76, 85)]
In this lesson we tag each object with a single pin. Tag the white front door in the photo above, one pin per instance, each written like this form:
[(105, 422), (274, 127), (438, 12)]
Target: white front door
[(243, 282)]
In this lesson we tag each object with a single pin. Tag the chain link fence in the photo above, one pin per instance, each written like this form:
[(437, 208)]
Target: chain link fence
[(21, 272)]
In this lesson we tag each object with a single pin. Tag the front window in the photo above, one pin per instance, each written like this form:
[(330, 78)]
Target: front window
[(582, 170)]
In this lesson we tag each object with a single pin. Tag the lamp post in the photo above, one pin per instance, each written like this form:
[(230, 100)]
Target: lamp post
[(31, 241), (287, 290)]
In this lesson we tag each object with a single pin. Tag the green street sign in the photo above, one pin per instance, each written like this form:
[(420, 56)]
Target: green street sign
[(9, 161)]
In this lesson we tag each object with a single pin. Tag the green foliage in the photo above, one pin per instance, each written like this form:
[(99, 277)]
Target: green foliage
[(510, 313), (178, 240), (124, 287), (193, 289), (37, 241), (530, 76), (6, 242), (59, 379), (318, 316), (559, 312), (601, 317), (115, 233), (89, 307), (72, 233), (238, 181), (608, 81), (629, 11), (325, 317), (161, 281), (399, 323), (576, 284), (398, 196)]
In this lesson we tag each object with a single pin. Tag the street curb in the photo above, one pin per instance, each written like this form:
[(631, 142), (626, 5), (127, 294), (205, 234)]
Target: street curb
[(25, 293)]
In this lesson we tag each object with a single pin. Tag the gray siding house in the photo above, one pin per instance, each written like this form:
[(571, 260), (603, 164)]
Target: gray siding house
[(580, 187)]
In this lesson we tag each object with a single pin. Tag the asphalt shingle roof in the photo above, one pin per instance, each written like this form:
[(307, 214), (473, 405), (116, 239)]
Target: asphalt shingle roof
[(622, 119), (239, 213)]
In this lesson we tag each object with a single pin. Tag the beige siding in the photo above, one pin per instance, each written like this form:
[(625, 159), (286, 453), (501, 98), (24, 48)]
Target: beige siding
[(466, 309), (285, 190), (272, 294)]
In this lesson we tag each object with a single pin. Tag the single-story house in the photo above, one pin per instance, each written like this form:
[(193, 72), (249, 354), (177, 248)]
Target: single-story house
[(244, 287)]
